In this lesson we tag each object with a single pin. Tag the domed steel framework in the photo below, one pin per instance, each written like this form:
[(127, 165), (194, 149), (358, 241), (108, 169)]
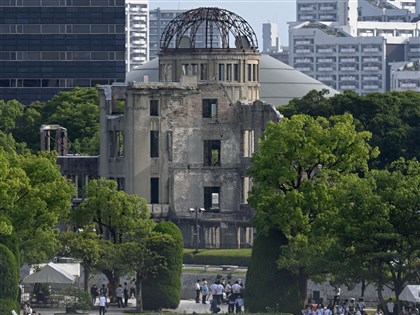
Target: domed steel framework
[(217, 23)]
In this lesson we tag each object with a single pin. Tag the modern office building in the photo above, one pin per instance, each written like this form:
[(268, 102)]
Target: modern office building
[(137, 33), (362, 38), (270, 37), (405, 76), (338, 60), (47, 46)]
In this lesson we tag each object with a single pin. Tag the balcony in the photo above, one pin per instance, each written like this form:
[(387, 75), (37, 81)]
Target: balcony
[(305, 60), (348, 78), (348, 50), (408, 85), (303, 51), (371, 87), (303, 42), (324, 69), (371, 68), (306, 9), (325, 78), (348, 60), (303, 69), (348, 87), (327, 8), (370, 50), (371, 60), (371, 78), (348, 69), (325, 50)]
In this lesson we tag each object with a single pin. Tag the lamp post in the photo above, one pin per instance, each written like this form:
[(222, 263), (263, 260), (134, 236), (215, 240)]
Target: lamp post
[(196, 227)]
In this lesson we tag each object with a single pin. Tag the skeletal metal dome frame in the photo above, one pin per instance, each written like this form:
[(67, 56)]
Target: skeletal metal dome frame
[(216, 22)]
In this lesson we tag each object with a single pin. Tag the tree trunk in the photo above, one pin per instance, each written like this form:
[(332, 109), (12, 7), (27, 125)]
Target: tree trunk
[(363, 288), (303, 285), (139, 297), (86, 279), (380, 287)]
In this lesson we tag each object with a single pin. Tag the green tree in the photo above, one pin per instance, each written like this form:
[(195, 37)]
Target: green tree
[(143, 257), (281, 284), (77, 111), (393, 118), (297, 160), (86, 246), (117, 217), (164, 289), (35, 197), (10, 282), (377, 226)]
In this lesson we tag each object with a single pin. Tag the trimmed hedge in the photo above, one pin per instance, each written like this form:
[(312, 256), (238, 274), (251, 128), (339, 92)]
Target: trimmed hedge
[(8, 305), (239, 257), (9, 278), (164, 290), (281, 293)]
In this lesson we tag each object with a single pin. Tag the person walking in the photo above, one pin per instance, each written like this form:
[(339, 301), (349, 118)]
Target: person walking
[(119, 293), (204, 291), (94, 293), (102, 304), (126, 290), (197, 291)]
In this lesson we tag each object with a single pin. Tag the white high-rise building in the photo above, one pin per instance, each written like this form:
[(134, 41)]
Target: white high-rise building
[(137, 33), (349, 44), (270, 36)]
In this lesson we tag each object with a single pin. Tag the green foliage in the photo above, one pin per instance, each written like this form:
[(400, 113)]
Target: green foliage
[(8, 275), (78, 112), (239, 257), (298, 161), (78, 299), (377, 225), (392, 117), (9, 239), (8, 305), (35, 197), (268, 287), (9, 112), (164, 290)]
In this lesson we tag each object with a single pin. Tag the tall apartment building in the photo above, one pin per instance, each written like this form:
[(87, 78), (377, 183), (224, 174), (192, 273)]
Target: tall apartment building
[(348, 29), (160, 18), (52, 45), (270, 36), (137, 33)]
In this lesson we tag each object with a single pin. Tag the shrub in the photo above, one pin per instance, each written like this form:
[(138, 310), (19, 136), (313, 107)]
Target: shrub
[(282, 294), (8, 305), (8, 275), (78, 299), (240, 257), (164, 290)]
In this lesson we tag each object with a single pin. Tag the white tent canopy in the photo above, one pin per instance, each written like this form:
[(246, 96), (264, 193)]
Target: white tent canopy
[(50, 273), (411, 293)]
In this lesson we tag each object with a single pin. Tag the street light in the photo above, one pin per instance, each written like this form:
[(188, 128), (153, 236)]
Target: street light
[(197, 227)]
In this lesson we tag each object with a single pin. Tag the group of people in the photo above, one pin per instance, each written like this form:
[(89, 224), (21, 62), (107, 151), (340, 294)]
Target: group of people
[(27, 310), (221, 291), (337, 307), (120, 295)]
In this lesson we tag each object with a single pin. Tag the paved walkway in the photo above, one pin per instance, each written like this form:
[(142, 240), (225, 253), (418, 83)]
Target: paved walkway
[(185, 306)]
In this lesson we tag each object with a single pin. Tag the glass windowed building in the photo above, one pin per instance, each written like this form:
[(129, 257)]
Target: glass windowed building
[(47, 46)]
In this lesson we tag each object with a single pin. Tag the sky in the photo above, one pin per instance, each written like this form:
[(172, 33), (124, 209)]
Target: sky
[(255, 12)]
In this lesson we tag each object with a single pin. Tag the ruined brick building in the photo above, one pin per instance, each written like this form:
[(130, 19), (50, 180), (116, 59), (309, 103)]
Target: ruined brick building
[(184, 141)]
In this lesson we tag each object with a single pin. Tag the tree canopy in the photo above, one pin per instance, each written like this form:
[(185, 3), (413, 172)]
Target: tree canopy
[(76, 110), (393, 118), (293, 170)]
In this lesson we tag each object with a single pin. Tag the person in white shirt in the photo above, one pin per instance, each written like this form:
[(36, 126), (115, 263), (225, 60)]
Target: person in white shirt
[(219, 292), (390, 307), (197, 291), (119, 293), (102, 304)]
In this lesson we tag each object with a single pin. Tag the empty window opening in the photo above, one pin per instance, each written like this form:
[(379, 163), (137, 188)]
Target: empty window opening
[(236, 72), (209, 108), (211, 152), (154, 190), (212, 198), (221, 72), (203, 72), (154, 108), (116, 143), (154, 143), (228, 72)]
